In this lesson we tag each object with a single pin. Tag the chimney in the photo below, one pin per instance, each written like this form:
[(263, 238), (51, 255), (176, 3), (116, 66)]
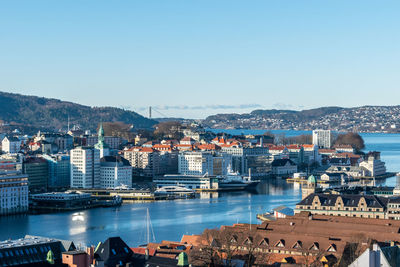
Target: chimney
[(146, 254)]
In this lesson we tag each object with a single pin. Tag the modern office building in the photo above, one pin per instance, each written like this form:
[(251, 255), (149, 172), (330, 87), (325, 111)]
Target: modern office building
[(257, 159), (322, 138), (85, 167), (38, 173), (59, 170)]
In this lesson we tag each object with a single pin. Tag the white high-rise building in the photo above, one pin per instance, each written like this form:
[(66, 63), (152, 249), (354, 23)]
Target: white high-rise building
[(322, 138), (85, 167), (13, 192), (114, 172), (195, 163)]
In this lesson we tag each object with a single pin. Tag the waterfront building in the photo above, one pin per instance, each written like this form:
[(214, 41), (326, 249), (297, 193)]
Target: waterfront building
[(13, 192), (322, 138), (244, 158), (67, 199), (59, 170), (10, 144), (195, 163), (283, 167), (33, 251), (115, 171), (361, 206), (258, 165), (85, 167), (374, 165), (351, 171), (336, 177), (38, 173)]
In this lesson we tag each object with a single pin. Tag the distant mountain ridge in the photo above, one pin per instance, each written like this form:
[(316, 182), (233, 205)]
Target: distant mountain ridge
[(52, 114), (365, 118)]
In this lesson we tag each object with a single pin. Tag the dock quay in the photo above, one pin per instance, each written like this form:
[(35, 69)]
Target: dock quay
[(230, 189), (355, 179)]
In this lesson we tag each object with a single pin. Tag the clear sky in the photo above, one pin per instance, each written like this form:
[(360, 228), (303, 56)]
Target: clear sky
[(194, 58)]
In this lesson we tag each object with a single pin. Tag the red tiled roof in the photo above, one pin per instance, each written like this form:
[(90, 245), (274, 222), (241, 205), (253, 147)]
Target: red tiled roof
[(142, 251)]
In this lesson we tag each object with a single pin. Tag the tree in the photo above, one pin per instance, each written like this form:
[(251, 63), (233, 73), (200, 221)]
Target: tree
[(168, 129), (119, 129), (206, 254), (352, 139)]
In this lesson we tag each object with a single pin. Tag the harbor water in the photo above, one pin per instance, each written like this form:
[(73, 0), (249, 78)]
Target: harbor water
[(171, 219)]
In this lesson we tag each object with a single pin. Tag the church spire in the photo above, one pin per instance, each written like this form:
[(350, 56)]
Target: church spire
[(101, 145), (100, 139)]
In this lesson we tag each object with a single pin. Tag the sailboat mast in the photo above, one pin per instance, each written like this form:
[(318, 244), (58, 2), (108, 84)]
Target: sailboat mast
[(148, 226)]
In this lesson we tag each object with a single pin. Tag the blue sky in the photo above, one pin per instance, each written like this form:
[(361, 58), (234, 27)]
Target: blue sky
[(195, 58)]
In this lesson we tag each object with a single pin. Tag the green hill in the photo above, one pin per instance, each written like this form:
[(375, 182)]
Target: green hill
[(32, 112)]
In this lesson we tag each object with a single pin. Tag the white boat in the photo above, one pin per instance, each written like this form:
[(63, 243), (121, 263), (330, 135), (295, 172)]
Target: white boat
[(175, 190), (234, 180)]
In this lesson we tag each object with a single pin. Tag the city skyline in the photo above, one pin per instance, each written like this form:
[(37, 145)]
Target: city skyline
[(195, 59)]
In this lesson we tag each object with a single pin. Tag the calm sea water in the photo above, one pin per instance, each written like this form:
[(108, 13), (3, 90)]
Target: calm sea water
[(171, 219)]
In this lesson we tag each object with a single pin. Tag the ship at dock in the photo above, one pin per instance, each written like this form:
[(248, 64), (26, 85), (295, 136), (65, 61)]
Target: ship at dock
[(175, 191), (229, 182)]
